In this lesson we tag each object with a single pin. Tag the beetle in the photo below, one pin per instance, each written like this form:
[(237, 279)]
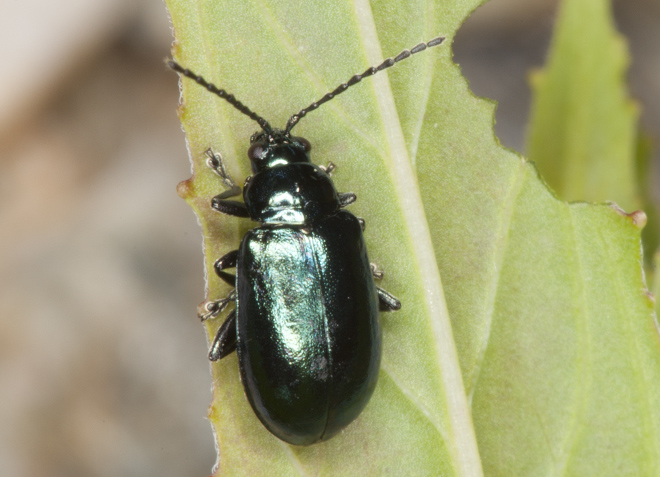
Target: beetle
[(305, 324)]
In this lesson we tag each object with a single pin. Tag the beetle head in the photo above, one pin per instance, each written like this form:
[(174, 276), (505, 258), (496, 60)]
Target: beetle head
[(268, 150)]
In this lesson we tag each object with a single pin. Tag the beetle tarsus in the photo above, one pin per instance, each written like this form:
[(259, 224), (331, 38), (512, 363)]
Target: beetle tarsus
[(386, 301), (217, 165), (346, 199), (376, 272), (224, 342), (329, 168), (214, 308)]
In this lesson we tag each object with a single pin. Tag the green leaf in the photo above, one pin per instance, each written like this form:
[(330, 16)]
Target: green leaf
[(583, 131), (542, 303)]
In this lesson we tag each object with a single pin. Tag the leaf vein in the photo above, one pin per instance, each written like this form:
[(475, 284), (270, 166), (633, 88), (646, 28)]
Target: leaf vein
[(499, 249), (415, 401), (306, 68), (430, 63), (293, 458), (585, 377)]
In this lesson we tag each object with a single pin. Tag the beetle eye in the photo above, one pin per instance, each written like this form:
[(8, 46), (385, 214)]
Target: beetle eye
[(256, 152), (304, 143)]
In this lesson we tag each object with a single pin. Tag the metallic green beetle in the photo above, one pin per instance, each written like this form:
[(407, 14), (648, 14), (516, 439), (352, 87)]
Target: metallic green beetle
[(306, 319)]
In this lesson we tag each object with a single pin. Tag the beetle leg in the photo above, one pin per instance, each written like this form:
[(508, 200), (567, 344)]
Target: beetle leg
[(228, 260), (224, 342), (363, 224), (329, 168), (375, 272), (219, 202), (229, 207), (346, 199), (217, 165), (386, 301), (214, 308)]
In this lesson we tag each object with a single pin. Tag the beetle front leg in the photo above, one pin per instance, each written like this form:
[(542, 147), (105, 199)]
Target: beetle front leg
[(217, 165), (229, 207), (224, 342), (220, 202), (386, 301)]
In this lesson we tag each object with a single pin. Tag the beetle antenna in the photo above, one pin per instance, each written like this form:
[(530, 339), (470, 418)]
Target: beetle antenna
[(293, 120), (230, 98)]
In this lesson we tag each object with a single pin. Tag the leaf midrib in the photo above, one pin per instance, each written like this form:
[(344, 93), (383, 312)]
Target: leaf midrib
[(464, 449)]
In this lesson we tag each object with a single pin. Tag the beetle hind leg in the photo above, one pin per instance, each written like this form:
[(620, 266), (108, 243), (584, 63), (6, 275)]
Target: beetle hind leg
[(224, 342), (386, 301), (346, 198), (376, 272)]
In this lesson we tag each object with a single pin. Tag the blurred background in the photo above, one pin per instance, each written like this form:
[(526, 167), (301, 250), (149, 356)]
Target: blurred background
[(103, 368)]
